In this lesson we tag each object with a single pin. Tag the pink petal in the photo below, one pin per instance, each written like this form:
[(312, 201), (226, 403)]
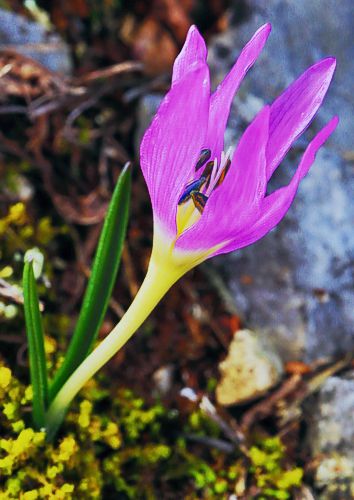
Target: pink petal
[(193, 50), (172, 143), (223, 96), (230, 205), (246, 183), (276, 205), (294, 109)]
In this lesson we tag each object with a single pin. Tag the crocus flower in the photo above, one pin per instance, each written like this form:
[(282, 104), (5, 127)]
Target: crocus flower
[(206, 201)]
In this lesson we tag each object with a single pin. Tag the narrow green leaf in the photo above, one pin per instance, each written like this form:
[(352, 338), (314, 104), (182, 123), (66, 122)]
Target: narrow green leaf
[(35, 337), (101, 282)]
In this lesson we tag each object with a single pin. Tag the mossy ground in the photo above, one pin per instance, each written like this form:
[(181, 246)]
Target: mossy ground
[(113, 445)]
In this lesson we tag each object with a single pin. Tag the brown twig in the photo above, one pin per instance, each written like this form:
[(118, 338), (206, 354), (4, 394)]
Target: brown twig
[(290, 395), (129, 271), (265, 406), (111, 71), (10, 292), (235, 435), (219, 444)]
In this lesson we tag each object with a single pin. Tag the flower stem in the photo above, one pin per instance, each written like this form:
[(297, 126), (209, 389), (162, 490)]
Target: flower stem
[(157, 282)]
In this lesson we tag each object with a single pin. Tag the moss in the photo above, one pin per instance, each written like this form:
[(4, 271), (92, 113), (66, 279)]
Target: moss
[(115, 446), (21, 232), (16, 216), (92, 454), (274, 480), (5, 377)]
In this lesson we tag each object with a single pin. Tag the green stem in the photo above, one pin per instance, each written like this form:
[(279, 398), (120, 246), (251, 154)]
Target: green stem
[(157, 282)]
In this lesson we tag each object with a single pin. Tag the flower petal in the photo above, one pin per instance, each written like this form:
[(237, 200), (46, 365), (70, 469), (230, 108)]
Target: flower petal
[(172, 143), (294, 109), (230, 205), (223, 96), (276, 205), (193, 50), (246, 183)]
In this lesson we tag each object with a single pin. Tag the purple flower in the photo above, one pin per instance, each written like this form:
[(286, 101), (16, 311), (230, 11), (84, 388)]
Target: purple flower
[(206, 201)]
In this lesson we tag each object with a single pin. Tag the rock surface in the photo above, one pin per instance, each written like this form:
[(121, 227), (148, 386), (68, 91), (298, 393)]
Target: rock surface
[(33, 40), (296, 283), (249, 370), (331, 436)]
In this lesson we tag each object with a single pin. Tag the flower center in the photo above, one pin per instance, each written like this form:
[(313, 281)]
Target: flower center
[(196, 193)]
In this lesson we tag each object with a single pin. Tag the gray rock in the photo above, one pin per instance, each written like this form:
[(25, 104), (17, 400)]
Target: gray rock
[(33, 40), (301, 286), (331, 437), (332, 426)]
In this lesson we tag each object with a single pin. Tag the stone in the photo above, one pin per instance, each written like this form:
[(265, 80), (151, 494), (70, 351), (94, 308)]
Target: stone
[(331, 436), (249, 370), (332, 427), (334, 476), (295, 285), (163, 378), (33, 40)]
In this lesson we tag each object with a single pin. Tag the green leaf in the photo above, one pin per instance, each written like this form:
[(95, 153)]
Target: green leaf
[(101, 282), (35, 336)]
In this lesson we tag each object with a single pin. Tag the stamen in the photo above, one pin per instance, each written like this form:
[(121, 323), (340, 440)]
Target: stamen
[(196, 193), (203, 158), (190, 188), (207, 173), (214, 177), (224, 172), (230, 152), (220, 171), (213, 173), (199, 200)]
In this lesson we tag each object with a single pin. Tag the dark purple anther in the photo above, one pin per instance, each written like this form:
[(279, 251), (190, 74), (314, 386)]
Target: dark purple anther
[(207, 173), (224, 172), (199, 200), (190, 188), (203, 158)]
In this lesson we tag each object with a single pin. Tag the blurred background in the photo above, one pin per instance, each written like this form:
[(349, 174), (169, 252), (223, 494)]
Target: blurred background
[(267, 332)]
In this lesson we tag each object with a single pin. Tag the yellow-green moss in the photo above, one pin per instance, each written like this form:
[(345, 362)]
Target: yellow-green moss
[(115, 446), (89, 456), (272, 478)]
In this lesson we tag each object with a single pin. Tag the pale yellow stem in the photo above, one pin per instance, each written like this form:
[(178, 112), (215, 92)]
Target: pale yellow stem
[(157, 282)]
